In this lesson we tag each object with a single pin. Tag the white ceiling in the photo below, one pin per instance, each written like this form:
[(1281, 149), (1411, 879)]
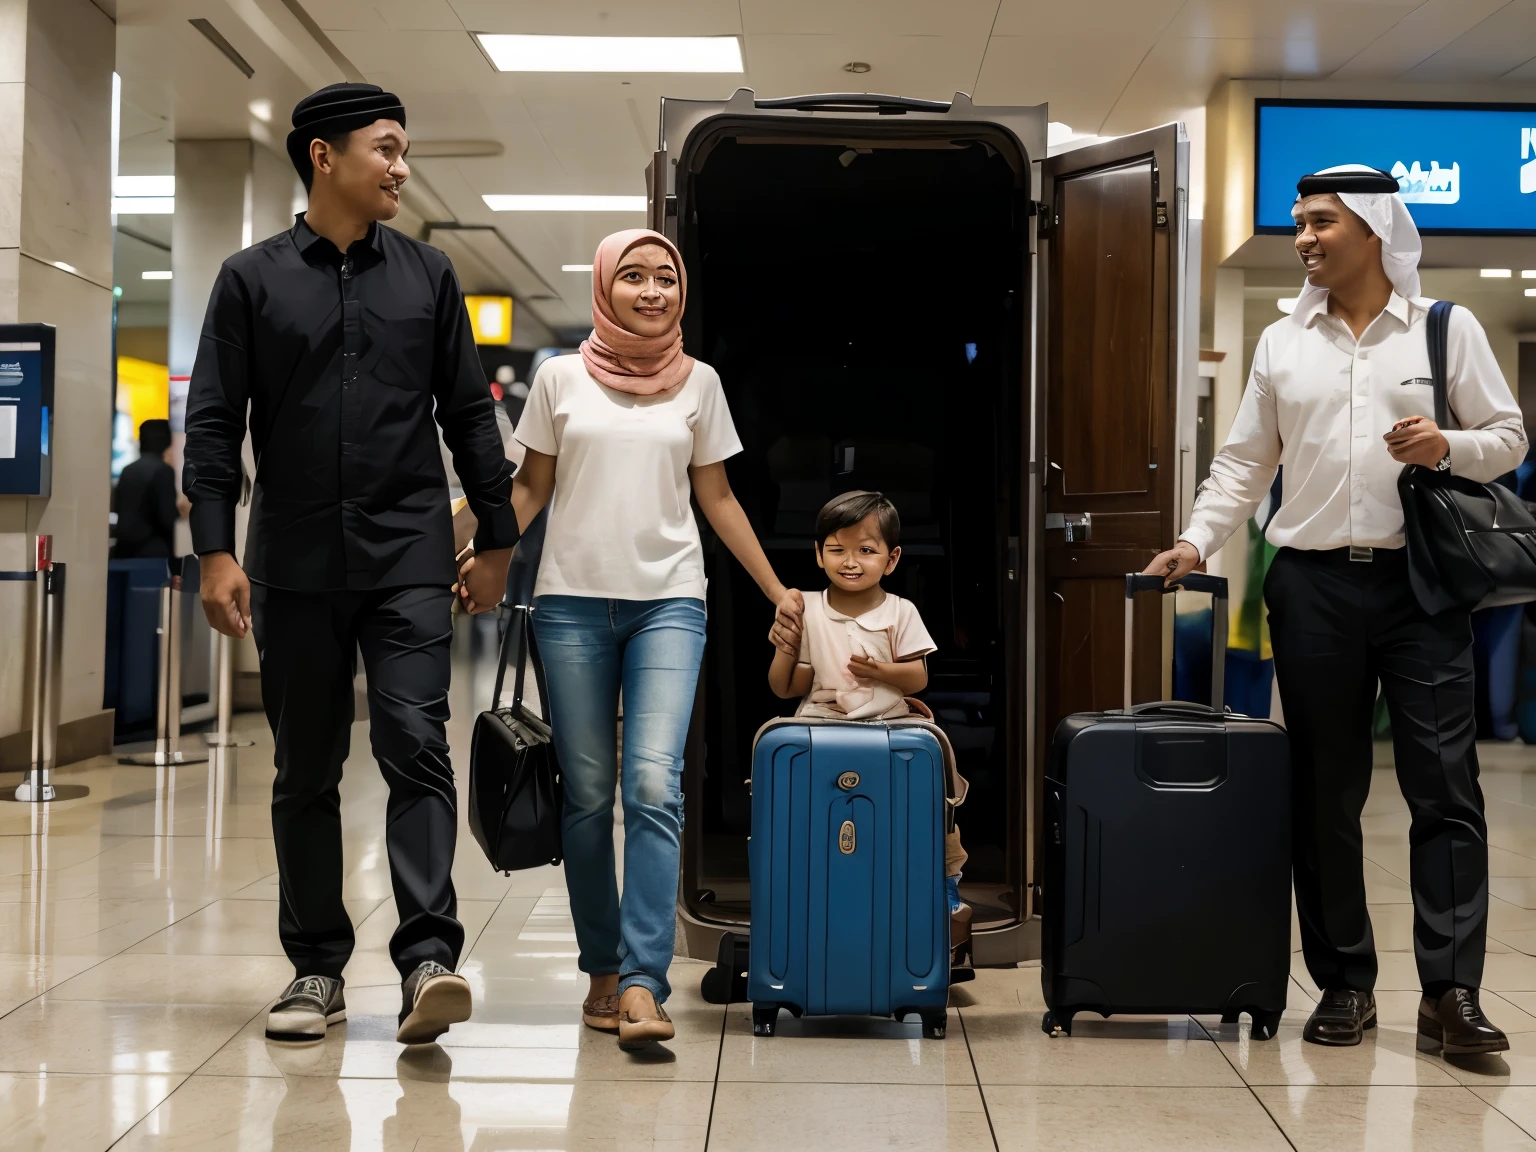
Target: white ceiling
[(1106, 67)]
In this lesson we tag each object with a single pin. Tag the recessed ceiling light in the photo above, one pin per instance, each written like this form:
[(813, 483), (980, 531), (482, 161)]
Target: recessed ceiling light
[(162, 274), (518, 53), (1530, 291), (1496, 273), (261, 109), (507, 203), (143, 185), (1287, 304), (1528, 274), (575, 267), (70, 268), (143, 205), (858, 67)]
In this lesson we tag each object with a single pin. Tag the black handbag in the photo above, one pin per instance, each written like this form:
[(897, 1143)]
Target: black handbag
[(514, 775), (1470, 545)]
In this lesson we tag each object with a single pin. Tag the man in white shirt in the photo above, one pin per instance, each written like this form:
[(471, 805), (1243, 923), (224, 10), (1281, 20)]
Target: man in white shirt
[(1337, 396)]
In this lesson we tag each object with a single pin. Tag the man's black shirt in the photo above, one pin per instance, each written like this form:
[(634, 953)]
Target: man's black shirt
[(146, 511), (342, 361)]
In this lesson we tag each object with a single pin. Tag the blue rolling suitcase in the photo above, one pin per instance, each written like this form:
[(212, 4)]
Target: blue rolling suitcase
[(847, 865), (1168, 857)]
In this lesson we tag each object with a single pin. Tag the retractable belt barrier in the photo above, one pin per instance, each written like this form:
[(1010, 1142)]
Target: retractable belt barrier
[(168, 750), (45, 657)]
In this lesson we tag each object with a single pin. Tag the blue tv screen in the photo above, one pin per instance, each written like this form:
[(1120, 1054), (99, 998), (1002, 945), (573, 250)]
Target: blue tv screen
[(1463, 168)]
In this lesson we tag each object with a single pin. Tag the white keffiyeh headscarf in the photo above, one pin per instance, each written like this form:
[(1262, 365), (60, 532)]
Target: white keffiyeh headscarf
[(1384, 213)]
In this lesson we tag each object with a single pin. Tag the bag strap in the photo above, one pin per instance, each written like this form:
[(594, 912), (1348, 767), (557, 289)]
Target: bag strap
[(1437, 330), (518, 621)]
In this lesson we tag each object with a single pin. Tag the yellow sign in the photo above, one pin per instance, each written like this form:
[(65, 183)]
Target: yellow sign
[(490, 317), (143, 391)]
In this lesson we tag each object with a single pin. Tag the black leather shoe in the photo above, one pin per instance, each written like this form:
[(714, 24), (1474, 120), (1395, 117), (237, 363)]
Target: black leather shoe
[(1455, 1025), (1341, 1018)]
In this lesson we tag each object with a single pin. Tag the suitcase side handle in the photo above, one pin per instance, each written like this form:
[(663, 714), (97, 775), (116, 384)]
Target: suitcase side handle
[(1136, 582)]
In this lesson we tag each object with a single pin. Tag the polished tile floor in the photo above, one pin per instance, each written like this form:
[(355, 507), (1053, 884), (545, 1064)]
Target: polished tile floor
[(138, 953)]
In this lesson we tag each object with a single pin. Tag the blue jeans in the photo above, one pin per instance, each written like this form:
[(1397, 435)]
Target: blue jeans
[(591, 647)]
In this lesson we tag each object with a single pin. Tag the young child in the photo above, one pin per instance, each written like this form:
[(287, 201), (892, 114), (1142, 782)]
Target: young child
[(862, 649)]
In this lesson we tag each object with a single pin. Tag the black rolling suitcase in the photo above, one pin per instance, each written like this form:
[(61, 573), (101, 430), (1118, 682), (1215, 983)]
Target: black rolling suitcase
[(1168, 856)]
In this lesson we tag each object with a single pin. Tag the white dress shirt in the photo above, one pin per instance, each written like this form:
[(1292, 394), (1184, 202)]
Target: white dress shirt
[(1319, 403)]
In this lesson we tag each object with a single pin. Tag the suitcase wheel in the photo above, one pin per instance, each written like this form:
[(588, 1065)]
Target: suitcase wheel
[(1055, 1024), (935, 1024), (765, 1019), (1265, 1025)]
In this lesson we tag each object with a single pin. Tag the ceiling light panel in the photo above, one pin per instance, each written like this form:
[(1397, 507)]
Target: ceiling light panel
[(504, 203), (518, 53), (143, 185), (143, 205)]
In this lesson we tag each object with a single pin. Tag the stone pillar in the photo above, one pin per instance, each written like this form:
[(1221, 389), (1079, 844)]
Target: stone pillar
[(229, 194), (56, 60)]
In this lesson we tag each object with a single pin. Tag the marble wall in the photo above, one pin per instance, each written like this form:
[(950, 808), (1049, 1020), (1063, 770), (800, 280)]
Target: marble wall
[(56, 59)]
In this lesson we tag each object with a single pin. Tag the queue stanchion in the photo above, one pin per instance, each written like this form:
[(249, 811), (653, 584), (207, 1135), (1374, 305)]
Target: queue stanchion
[(46, 656), (168, 750), (224, 658)]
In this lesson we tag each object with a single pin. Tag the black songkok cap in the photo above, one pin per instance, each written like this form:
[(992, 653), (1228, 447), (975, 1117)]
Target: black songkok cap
[(339, 108), (1373, 180)]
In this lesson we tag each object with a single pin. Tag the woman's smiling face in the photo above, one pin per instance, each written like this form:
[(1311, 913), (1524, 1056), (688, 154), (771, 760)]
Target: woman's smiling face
[(647, 290)]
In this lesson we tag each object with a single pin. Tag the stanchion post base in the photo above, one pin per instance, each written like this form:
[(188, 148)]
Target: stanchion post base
[(229, 742), (161, 760), (26, 793)]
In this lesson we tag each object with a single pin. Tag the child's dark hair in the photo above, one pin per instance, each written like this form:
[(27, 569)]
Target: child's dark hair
[(851, 507)]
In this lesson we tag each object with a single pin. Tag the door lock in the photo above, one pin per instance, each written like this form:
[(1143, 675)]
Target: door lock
[(1078, 526)]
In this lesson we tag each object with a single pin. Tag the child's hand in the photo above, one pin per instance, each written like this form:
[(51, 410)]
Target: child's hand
[(863, 668), (784, 640)]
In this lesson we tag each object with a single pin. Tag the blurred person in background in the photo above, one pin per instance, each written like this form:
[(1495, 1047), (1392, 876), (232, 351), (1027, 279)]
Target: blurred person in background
[(146, 500)]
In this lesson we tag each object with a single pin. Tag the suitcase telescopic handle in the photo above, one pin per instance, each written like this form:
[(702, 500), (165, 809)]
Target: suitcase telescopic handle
[(1136, 582)]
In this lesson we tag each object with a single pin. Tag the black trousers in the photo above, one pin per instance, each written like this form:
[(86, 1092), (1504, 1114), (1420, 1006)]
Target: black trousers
[(1337, 627), (308, 643)]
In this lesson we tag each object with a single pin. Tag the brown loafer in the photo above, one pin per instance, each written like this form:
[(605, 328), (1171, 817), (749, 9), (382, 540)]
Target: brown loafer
[(601, 1012), (1456, 1026), (636, 1032)]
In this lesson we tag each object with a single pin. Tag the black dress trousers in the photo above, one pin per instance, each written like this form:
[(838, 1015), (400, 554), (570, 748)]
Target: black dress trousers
[(1338, 627), (308, 643)]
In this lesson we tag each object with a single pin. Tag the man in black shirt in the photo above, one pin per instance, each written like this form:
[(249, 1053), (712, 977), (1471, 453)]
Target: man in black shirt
[(346, 338), (146, 499)]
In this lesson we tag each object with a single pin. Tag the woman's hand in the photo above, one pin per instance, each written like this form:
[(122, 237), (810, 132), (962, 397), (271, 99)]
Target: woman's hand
[(788, 620)]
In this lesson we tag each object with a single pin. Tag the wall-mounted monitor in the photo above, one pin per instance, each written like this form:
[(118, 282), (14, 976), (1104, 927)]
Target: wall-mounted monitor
[(1464, 169), (26, 409)]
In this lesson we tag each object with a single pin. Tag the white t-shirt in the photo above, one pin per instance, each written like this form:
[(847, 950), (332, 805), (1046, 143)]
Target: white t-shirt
[(620, 524)]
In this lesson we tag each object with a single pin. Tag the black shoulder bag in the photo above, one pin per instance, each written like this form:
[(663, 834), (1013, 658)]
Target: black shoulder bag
[(514, 777), (1470, 545)]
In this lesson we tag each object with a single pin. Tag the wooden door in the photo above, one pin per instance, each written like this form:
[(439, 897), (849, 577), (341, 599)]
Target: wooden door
[(1111, 383)]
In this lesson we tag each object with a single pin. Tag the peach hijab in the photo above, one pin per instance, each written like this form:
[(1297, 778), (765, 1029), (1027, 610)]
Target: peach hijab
[(617, 357)]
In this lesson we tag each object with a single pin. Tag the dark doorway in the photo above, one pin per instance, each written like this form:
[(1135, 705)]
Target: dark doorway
[(866, 306)]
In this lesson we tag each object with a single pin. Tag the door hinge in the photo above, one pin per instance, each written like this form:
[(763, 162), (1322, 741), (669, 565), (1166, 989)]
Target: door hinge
[(1045, 221), (1160, 216)]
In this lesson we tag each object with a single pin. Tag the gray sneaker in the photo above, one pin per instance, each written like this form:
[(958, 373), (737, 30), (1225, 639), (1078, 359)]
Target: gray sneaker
[(307, 1007), (432, 999)]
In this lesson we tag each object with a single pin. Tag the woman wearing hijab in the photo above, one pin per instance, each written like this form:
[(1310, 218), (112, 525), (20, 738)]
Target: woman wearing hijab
[(622, 435), (1338, 395)]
